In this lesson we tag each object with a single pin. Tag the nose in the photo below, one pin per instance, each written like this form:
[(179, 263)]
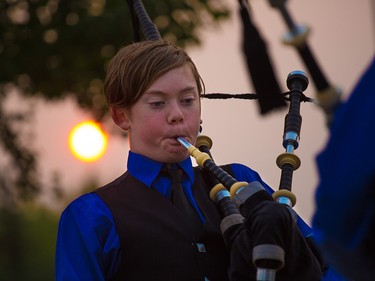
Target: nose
[(175, 114)]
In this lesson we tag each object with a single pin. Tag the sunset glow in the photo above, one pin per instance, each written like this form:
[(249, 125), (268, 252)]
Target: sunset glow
[(87, 141)]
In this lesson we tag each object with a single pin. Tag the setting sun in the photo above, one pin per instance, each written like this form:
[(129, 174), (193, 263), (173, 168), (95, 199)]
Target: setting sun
[(87, 141)]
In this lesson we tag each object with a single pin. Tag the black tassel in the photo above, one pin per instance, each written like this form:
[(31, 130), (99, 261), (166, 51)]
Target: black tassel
[(259, 65)]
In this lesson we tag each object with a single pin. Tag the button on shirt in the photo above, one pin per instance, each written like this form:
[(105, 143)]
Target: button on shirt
[(88, 246)]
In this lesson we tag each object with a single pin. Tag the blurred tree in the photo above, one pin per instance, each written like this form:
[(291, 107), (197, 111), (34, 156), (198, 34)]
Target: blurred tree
[(27, 239), (54, 48)]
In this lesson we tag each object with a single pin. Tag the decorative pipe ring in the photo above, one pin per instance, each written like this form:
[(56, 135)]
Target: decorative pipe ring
[(288, 158), (285, 193), (236, 187), (297, 37), (266, 252), (215, 190), (203, 140), (199, 156), (329, 97), (297, 81)]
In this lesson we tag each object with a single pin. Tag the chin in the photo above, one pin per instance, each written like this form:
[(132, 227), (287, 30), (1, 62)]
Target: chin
[(176, 157)]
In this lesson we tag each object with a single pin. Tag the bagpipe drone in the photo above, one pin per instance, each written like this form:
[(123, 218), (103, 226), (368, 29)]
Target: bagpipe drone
[(259, 229)]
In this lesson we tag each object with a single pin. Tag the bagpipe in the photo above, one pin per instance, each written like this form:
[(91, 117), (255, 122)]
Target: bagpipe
[(260, 229)]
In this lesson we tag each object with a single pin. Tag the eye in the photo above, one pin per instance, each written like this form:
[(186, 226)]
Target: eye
[(157, 103), (187, 100)]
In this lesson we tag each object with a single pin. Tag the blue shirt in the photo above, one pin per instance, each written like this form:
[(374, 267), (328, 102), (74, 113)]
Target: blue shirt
[(345, 203), (88, 246)]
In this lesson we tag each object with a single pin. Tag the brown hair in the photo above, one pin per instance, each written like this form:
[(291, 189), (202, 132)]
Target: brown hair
[(135, 67)]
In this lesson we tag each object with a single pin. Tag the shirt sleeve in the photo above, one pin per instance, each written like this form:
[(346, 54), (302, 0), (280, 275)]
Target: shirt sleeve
[(87, 242), (344, 219)]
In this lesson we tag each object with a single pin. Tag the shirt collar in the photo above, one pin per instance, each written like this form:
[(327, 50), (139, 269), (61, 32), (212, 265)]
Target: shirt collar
[(146, 170)]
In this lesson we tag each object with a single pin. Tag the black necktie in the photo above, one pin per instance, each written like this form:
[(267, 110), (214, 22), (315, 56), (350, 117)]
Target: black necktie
[(180, 201)]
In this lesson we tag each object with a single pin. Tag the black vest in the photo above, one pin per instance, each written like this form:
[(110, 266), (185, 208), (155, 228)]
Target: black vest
[(156, 243)]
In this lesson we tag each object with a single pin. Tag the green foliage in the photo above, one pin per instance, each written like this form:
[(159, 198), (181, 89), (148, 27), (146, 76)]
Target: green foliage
[(53, 47), (22, 171), (27, 239)]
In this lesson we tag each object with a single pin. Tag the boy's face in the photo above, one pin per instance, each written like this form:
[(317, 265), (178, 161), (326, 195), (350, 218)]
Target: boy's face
[(169, 108)]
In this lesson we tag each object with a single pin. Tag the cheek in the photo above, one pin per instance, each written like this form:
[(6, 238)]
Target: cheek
[(150, 127), (194, 124), (194, 117)]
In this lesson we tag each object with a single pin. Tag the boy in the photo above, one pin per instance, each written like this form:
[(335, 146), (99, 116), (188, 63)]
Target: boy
[(130, 229)]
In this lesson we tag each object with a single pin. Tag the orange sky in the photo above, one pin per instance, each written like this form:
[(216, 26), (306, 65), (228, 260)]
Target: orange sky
[(342, 39)]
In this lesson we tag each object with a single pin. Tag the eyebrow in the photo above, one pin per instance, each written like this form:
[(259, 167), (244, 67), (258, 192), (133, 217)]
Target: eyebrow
[(182, 91)]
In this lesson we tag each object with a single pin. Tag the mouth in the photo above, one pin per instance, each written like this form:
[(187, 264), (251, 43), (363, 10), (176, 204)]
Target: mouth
[(174, 139)]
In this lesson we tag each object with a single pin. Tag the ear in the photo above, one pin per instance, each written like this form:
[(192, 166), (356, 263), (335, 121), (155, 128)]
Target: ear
[(120, 117)]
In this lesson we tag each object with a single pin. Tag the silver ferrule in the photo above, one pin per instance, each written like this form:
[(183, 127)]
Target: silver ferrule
[(285, 200), (222, 194), (184, 142), (265, 274)]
